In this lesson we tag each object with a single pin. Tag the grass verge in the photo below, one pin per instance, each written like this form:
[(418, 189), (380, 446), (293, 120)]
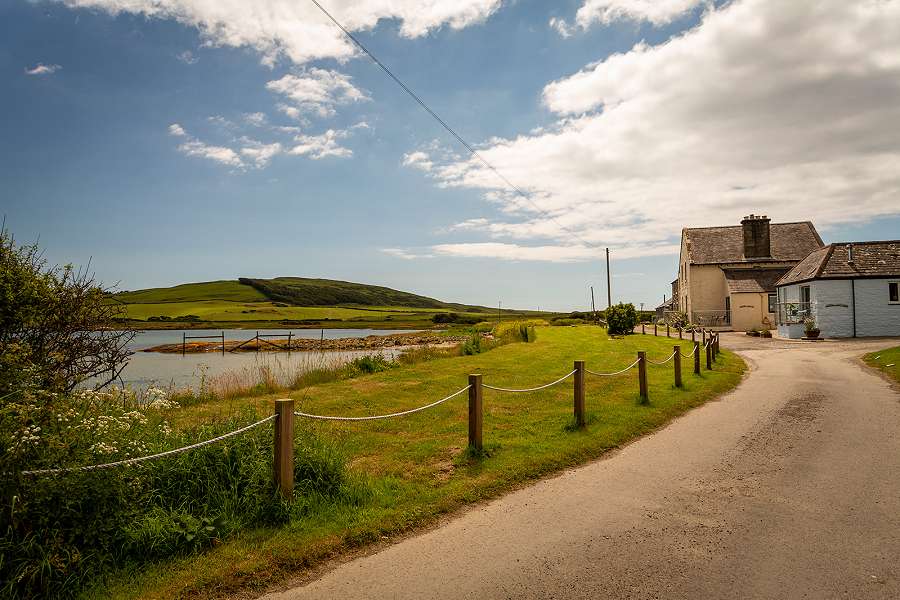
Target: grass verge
[(417, 468), (887, 361)]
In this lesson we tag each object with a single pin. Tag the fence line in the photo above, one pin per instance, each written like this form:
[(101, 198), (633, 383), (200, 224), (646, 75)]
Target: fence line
[(376, 417), (631, 366), (132, 461), (691, 354), (534, 389), (653, 362)]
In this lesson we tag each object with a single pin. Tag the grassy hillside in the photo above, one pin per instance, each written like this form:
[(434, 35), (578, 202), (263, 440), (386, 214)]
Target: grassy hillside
[(299, 291), (288, 301), (229, 291)]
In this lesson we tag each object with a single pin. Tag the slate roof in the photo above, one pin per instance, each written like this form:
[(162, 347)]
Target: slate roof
[(716, 245), (870, 259), (752, 280)]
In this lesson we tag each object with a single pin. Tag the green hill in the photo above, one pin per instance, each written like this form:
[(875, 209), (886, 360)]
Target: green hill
[(230, 291)]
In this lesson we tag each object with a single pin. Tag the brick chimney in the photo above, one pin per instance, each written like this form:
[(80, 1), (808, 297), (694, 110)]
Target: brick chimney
[(756, 237)]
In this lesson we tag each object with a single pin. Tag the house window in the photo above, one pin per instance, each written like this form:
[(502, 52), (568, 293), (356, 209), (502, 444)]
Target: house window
[(773, 299), (804, 294), (894, 292)]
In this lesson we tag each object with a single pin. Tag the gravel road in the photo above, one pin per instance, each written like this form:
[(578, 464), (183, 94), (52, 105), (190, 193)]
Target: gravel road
[(788, 487)]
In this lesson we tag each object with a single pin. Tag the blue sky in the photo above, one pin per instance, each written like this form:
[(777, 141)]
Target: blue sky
[(184, 143)]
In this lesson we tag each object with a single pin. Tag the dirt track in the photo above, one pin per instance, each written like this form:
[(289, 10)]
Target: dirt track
[(789, 487)]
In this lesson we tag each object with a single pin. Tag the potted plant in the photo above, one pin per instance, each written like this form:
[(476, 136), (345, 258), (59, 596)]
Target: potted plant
[(809, 326)]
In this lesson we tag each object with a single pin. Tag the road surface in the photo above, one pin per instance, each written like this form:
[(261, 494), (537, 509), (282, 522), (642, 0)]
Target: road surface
[(788, 487)]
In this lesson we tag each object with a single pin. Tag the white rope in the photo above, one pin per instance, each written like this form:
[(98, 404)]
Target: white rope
[(132, 461), (500, 389), (653, 362), (694, 351), (398, 414), (631, 366)]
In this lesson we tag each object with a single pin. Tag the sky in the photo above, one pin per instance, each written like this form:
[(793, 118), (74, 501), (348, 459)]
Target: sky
[(171, 141)]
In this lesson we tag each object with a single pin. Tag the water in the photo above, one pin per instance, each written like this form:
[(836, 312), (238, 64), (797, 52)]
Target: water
[(147, 369)]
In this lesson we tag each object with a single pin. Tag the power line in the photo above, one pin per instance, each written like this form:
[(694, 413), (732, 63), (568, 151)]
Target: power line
[(449, 129)]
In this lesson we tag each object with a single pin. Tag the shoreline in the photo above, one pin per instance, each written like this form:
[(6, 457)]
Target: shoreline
[(372, 342)]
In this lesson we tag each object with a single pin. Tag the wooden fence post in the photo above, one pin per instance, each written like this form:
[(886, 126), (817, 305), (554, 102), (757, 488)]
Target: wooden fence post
[(693, 334), (667, 330), (709, 357), (284, 447), (677, 366), (696, 358), (476, 415), (655, 326), (579, 393), (643, 332), (703, 336), (679, 334), (642, 376), (716, 348)]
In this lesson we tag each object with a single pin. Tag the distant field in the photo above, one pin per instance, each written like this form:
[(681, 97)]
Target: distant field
[(218, 310)]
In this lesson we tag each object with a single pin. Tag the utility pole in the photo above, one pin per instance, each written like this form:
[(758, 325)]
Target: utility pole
[(608, 289), (499, 316), (593, 306)]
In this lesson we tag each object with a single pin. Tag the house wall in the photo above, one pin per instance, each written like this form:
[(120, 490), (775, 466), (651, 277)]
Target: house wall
[(751, 311), (707, 287), (832, 308)]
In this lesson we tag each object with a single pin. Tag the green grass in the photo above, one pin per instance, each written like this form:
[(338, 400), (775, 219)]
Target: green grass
[(417, 466), (189, 292), (881, 359), (220, 310)]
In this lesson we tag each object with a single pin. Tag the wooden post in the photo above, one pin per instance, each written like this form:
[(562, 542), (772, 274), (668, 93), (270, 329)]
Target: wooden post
[(290, 335), (709, 357), (703, 333), (643, 332), (716, 348), (693, 334), (677, 366), (579, 393), (642, 376), (476, 416), (655, 327), (284, 447), (183, 342), (223, 343), (696, 358), (667, 330)]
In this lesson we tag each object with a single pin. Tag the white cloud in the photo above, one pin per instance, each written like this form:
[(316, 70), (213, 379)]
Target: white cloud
[(256, 119), (321, 146), (561, 27), (657, 12), (219, 154), (297, 30), (177, 130), (258, 153), (419, 160), (405, 254), (785, 109), (316, 91), (42, 69), (187, 57)]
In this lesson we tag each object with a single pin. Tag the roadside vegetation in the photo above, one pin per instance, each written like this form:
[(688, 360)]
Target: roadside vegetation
[(416, 468), (886, 361)]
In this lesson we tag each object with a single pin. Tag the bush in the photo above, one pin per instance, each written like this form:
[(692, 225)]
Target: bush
[(621, 318), (372, 363), (450, 318), (677, 319)]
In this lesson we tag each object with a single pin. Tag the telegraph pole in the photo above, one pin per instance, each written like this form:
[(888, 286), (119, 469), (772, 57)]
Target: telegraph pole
[(608, 289), (593, 306)]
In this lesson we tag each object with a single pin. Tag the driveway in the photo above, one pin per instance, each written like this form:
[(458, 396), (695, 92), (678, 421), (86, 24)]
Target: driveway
[(788, 487)]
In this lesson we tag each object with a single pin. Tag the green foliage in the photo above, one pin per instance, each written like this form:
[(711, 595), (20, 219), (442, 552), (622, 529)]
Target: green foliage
[(621, 318), (455, 318), (371, 363), (473, 345), (677, 319), (565, 322), (54, 324), (60, 530)]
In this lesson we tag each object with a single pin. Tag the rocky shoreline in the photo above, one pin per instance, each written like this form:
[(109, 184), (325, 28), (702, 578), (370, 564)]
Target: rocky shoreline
[(372, 342)]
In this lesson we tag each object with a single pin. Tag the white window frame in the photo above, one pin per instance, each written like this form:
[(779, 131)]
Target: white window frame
[(890, 283)]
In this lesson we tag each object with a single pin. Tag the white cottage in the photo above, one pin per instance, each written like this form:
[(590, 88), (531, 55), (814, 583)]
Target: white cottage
[(849, 289)]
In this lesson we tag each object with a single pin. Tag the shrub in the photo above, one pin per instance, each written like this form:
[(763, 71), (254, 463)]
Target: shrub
[(677, 319), (371, 363), (621, 318)]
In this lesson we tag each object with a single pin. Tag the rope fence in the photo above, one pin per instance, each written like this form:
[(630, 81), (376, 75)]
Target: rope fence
[(628, 368), (389, 416), (133, 461), (285, 413), (534, 389)]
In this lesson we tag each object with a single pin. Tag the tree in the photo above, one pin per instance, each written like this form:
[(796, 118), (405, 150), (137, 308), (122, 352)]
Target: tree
[(55, 324), (621, 318)]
